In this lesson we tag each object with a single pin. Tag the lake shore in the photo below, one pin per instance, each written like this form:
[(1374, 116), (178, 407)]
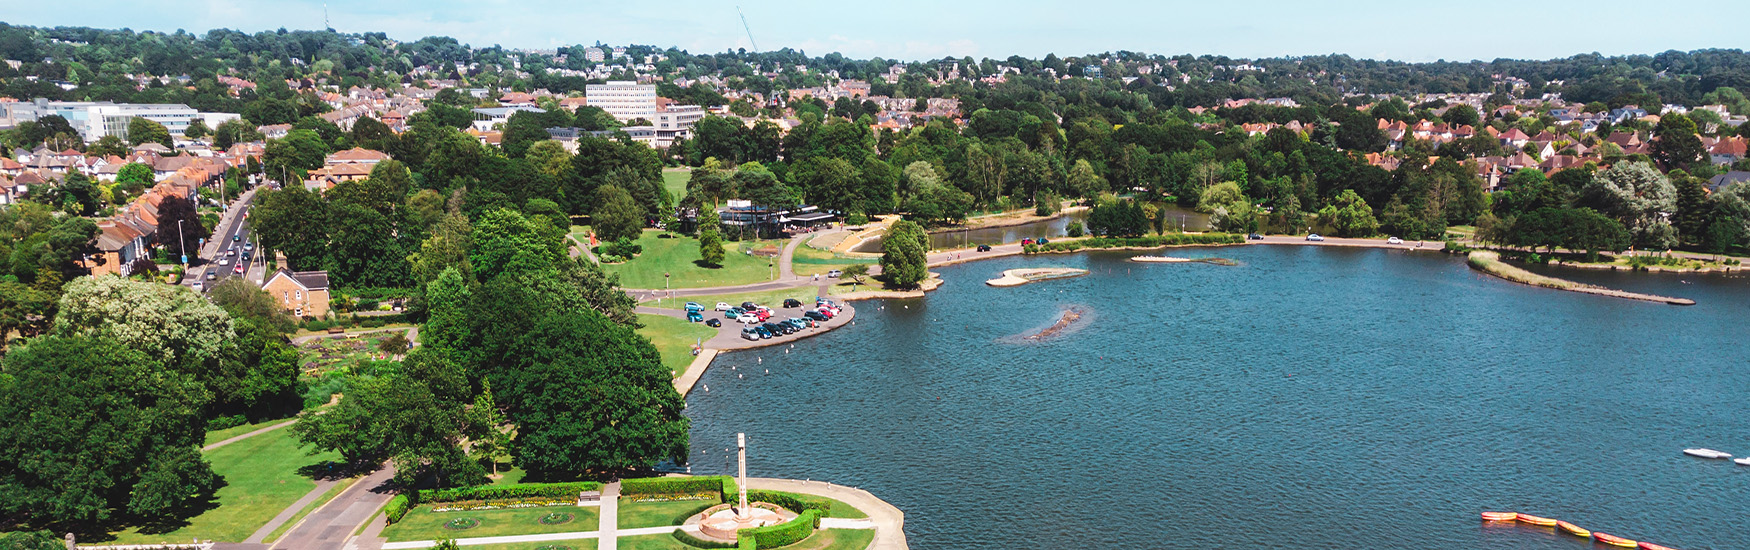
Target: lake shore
[(1490, 263)]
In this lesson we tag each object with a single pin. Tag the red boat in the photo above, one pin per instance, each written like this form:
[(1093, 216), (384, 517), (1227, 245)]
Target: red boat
[(1613, 540), (1534, 520), (1500, 516), (1651, 546)]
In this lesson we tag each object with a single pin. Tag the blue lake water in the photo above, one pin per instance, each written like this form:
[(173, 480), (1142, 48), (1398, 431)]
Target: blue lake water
[(1311, 397)]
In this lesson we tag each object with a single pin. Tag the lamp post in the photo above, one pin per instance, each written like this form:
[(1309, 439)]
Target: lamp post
[(664, 285), (182, 244)]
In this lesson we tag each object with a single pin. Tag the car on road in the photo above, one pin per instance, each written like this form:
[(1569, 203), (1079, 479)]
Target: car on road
[(223, 261), (197, 286), (248, 246), (834, 274), (984, 248), (1394, 240), (212, 274), (231, 252), (724, 306), (713, 323), (239, 269), (1254, 237), (750, 333), (236, 238), (792, 302), (748, 318), (1315, 237)]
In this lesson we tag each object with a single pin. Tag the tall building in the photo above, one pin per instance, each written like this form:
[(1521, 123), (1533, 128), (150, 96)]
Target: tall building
[(95, 119), (625, 100)]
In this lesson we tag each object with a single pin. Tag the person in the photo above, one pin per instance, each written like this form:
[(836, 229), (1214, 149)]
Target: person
[(817, 277)]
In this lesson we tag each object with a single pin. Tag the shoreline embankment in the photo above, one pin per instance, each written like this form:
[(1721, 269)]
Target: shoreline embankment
[(1490, 263)]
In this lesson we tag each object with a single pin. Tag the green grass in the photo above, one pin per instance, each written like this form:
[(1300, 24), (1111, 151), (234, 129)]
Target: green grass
[(674, 338), (824, 539), (332, 492), (423, 524), (839, 508), (659, 514), (810, 261), (511, 475), (769, 298), (261, 476), (665, 541), (675, 181), (573, 544), (216, 436), (676, 257)]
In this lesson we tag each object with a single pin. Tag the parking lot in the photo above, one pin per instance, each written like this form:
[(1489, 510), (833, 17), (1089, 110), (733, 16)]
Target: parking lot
[(729, 332)]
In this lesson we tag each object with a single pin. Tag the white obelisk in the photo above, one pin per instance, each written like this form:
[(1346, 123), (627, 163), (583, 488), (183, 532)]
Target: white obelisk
[(741, 451)]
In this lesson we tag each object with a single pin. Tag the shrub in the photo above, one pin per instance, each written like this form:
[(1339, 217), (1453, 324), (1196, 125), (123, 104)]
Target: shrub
[(371, 323), (624, 248), (317, 326), (504, 492), (366, 304), (783, 534), (792, 503), (1152, 241), (696, 542), (397, 508), (223, 422), (856, 218), (722, 487), (1074, 229)]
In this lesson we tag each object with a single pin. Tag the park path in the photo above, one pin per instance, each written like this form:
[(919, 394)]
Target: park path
[(887, 520), (608, 529), (322, 487), (412, 334), (331, 526), (240, 437)]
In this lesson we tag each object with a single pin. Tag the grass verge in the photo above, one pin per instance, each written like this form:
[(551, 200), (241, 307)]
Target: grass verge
[(674, 338), (262, 478), (678, 256), (423, 524), (659, 513)]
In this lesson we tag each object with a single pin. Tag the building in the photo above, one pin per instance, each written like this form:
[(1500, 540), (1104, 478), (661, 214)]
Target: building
[(96, 119), (303, 293), (488, 117), (624, 100)]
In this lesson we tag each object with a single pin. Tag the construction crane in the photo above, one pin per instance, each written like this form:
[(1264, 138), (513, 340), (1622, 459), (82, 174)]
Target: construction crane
[(750, 40)]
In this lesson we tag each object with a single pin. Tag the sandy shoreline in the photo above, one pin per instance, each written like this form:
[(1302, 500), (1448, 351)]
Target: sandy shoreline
[(1490, 263)]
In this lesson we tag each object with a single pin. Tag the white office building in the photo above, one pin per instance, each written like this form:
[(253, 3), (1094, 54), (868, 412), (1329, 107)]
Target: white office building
[(624, 100), (95, 119)]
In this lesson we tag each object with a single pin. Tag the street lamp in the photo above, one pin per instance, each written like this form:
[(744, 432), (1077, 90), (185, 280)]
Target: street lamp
[(182, 244)]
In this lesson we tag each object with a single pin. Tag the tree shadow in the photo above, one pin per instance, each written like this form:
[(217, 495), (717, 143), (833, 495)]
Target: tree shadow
[(331, 470), (703, 264), (176, 518)]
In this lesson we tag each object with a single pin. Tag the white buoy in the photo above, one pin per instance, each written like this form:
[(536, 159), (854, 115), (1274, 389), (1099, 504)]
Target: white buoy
[(738, 377), (707, 388), (762, 360), (768, 371)]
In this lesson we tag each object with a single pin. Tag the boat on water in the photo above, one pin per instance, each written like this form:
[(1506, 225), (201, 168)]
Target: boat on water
[(1742, 461), (1500, 516), (1707, 453), (1614, 540), (1651, 546), (1534, 520), (1572, 529)]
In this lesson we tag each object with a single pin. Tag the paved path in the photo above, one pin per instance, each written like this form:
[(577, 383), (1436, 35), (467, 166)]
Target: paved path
[(608, 530), (331, 526), (887, 520), (412, 334), (240, 437), (545, 537), (322, 487)]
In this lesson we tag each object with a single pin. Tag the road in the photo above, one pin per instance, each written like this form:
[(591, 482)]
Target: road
[(331, 526), (232, 231)]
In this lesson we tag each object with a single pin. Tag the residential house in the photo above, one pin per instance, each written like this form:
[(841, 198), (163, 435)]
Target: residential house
[(1514, 138), (303, 293), (118, 245)]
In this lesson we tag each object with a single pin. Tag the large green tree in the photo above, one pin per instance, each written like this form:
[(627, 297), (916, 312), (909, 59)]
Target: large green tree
[(416, 416), (904, 251), (142, 130), (616, 215)]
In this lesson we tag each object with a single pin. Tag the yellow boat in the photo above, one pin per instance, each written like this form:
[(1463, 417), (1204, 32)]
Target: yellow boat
[(1572, 529), (1614, 540), (1534, 520), (1500, 516)]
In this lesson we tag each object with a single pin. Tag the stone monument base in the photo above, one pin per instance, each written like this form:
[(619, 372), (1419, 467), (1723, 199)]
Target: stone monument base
[(723, 521)]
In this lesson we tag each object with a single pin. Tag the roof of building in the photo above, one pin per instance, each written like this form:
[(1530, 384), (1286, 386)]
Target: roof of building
[(309, 280), (357, 154)]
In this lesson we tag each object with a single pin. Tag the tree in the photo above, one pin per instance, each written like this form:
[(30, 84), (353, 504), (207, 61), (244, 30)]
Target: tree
[(903, 254), (1571, 228), (243, 300), (1638, 196), (235, 131), (1461, 115), (415, 417), (1349, 216), (97, 430), (196, 129), (134, 175), (108, 145), (616, 214), (856, 272), (372, 134), (289, 156), (1676, 145), (142, 130), (1691, 217), (294, 221), (180, 227), (169, 323), (487, 437), (1084, 181), (710, 248)]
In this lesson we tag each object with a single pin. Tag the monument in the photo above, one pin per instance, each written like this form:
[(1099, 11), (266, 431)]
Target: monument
[(723, 521)]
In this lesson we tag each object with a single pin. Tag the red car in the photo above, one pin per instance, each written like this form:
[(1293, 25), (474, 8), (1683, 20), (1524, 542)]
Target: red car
[(1026, 241)]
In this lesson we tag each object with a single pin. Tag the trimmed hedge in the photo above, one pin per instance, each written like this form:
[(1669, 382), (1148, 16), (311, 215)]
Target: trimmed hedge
[(397, 508), (696, 542), (789, 502), (501, 492), (783, 534), (1151, 241), (679, 487)]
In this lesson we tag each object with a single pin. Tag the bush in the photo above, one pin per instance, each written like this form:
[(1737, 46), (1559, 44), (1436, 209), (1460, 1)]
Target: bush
[(696, 542), (371, 323), (722, 487), (792, 503), (507, 492), (366, 304), (784, 534), (397, 508), (1074, 229), (856, 218), (1153, 241), (624, 248), (1455, 248), (317, 326)]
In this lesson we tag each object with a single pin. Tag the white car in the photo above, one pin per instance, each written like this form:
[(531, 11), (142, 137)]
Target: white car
[(1394, 240), (1314, 237), (197, 286), (724, 306), (224, 261), (748, 318)]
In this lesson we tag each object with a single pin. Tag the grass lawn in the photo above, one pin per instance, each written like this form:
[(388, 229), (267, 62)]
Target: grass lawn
[(573, 544), (659, 513), (674, 339), (216, 436), (824, 539), (839, 508), (769, 298), (675, 181), (810, 261), (510, 475), (332, 492), (676, 257), (261, 476), (423, 524)]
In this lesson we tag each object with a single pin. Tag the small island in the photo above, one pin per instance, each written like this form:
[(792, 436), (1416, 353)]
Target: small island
[(1175, 260), (1018, 277)]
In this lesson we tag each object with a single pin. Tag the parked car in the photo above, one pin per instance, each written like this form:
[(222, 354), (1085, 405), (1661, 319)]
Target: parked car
[(1314, 237), (1394, 240), (1042, 240), (748, 318), (816, 316), (724, 306), (984, 248), (750, 333), (798, 322), (694, 317), (773, 328), (763, 314), (763, 332), (748, 306), (792, 302), (713, 323), (827, 311), (1026, 241), (834, 274), (1254, 237), (732, 313)]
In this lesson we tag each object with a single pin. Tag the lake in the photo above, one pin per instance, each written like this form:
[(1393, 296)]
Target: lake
[(1176, 218), (1312, 397)]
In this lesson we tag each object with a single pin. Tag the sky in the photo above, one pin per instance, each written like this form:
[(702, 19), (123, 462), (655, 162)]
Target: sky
[(1406, 30)]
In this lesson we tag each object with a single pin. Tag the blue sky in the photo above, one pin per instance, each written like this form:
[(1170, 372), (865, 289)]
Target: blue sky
[(922, 29)]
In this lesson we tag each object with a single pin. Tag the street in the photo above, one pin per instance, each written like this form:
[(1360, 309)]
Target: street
[(221, 252)]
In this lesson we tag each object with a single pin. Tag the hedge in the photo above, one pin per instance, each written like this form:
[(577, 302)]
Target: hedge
[(783, 534), (1151, 241), (500, 492), (696, 542), (397, 508), (680, 487), (789, 502)]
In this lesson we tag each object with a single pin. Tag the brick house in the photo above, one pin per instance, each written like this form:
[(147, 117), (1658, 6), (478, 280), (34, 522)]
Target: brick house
[(303, 293)]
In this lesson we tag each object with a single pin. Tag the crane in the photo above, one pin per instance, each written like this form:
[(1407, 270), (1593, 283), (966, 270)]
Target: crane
[(750, 40)]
